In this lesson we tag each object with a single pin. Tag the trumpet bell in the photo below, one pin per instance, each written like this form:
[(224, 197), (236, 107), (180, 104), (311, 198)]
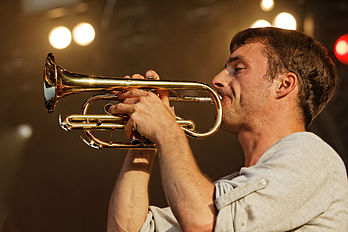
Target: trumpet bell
[(50, 83)]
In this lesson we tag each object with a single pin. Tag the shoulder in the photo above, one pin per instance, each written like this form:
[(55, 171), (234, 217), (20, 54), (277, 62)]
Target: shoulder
[(306, 161), (300, 142), (305, 150)]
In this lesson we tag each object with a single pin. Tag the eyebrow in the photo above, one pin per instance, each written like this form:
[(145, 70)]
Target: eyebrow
[(232, 59)]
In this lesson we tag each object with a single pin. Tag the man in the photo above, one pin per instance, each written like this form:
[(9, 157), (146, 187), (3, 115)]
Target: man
[(274, 84)]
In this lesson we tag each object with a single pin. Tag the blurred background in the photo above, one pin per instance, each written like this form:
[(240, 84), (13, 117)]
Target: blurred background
[(49, 179)]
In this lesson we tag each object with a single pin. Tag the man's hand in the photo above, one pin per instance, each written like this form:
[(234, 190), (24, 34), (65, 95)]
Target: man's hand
[(149, 112)]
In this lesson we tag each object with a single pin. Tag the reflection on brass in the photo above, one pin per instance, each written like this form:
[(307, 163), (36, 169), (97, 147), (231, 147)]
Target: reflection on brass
[(59, 82)]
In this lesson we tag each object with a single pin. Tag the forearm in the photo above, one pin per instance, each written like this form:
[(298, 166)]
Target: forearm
[(189, 193), (129, 204)]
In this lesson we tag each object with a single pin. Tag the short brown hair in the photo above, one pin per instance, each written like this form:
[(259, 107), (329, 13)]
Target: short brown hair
[(293, 51)]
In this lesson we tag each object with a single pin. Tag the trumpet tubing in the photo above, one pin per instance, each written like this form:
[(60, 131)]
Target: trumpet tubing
[(59, 83)]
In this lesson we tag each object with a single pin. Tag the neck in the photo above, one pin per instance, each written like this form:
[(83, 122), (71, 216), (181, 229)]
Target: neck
[(258, 140)]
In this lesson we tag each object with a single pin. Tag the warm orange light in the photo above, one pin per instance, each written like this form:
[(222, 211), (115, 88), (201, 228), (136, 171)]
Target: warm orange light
[(267, 5), (83, 34), (285, 20), (260, 23), (60, 37)]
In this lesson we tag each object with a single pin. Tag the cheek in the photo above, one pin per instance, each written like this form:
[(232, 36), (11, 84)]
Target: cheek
[(258, 96), (234, 90), (252, 93), (247, 91)]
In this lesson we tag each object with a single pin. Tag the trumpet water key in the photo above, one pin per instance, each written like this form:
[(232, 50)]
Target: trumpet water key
[(59, 83)]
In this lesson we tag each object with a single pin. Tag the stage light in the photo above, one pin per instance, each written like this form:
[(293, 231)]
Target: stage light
[(285, 20), (260, 23), (267, 5), (60, 37), (341, 49), (25, 131), (83, 34)]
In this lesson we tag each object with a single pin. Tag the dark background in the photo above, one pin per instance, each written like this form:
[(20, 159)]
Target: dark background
[(53, 181)]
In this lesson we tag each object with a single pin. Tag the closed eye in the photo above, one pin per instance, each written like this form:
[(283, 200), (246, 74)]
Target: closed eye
[(234, 70), (235, 65), (237, 70)]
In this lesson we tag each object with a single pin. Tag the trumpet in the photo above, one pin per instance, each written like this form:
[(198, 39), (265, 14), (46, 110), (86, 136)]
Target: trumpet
[(59, 83)]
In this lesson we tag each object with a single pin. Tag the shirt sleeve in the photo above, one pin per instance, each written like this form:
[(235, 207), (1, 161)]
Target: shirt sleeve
[(285, 191), (160, 219)]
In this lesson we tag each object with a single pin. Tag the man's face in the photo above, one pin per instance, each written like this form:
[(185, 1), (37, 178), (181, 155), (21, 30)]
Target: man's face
[(244, 87)]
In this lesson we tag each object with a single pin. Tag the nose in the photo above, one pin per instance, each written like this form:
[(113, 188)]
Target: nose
[(219, 80)]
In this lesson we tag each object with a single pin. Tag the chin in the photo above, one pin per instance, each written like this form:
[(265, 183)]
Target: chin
[(233, 123), (230, 127)]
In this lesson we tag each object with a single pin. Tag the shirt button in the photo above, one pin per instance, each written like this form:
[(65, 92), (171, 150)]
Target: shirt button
[(263, 182)]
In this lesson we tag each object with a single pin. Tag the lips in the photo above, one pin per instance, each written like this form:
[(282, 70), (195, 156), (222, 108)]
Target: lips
[(224, 96)]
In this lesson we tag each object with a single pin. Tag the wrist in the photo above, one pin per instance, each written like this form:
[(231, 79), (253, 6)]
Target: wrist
[(172, 134)]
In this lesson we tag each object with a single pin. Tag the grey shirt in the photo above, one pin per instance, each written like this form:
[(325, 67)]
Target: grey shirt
[(299, 184)]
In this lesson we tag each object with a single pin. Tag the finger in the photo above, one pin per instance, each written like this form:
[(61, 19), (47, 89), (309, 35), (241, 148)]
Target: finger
[(128, 128), (164, 96), (137, 76), (133, 94), (172, 110), (116, 92), (152, 74), (127, 77), (132, 100), (121, 108)]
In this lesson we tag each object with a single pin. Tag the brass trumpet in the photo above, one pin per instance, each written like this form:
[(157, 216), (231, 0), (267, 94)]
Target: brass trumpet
[(59, 83)]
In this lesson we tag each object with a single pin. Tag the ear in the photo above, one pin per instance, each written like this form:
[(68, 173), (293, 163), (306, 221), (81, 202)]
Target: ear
[(286, 84)]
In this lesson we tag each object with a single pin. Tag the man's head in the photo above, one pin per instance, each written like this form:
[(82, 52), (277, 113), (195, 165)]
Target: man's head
[(247, 96), (292, 51)]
